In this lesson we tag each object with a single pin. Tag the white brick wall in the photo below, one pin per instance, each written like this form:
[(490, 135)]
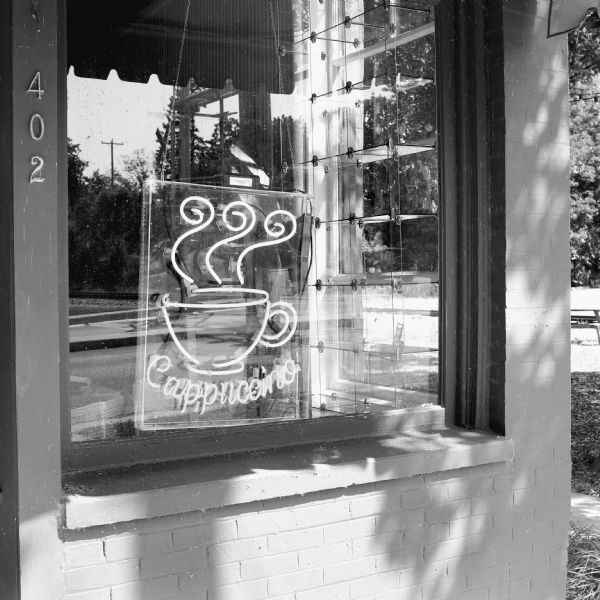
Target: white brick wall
[(485, 533), (537, 302), (446, 548)]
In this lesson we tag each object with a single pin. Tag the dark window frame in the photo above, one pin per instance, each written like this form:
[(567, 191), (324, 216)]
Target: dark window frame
[(472, 244), (474, 239)]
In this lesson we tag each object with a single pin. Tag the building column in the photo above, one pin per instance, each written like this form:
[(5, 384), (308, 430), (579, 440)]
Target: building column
[(30, 445)]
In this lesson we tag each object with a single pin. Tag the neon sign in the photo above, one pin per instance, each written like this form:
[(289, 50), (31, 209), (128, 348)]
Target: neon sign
[(247, 219), (196, 396), (216, 366), (231, 297), (224, 321)]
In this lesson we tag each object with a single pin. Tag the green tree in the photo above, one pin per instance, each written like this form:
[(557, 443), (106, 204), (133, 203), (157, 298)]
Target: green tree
[(584, 87)]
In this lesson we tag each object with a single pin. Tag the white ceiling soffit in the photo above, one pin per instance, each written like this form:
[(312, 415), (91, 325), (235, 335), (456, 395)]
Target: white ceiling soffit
[(566, 15)]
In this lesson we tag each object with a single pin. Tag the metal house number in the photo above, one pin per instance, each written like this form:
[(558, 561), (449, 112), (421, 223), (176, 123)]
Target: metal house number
[(37, 129)]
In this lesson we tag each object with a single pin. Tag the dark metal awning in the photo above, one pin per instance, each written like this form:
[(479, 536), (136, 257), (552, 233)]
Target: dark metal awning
[(566, 15), (224, 40)]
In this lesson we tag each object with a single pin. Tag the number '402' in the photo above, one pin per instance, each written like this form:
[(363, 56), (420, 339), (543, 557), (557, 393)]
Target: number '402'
[(36, 129), (37, 162)]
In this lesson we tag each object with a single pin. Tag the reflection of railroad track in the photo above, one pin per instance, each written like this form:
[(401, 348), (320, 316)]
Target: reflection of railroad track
[(106, 295), (98, 307), (99, 317)]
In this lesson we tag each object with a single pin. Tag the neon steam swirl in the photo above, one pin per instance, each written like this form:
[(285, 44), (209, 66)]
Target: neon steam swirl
[(275, 230), (199, 223), (246, 214), (240, 231)]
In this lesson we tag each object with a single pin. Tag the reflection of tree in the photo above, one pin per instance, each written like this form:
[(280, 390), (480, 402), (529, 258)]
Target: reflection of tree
[(209, 159), (75, 168), (418, 250), (402, 113), (212, 158), (104, 228), (137, 167)]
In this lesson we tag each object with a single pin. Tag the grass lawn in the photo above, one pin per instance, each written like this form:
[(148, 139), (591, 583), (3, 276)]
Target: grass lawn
[(583, 565), (583, 581), (585, 432)]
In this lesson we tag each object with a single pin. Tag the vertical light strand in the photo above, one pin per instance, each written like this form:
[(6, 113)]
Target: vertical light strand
[(317, 321), (276, 29), (345, 55), (394, 172), (354, 348), (174, 92), (313, 231)]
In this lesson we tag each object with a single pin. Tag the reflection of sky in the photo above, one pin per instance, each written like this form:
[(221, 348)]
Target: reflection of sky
[(101, 110), (129, 113)]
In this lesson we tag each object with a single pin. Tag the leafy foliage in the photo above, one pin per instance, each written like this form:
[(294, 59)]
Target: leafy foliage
[(76, 167), (585, 239), (104, 235), (584, 59), (584, 63)]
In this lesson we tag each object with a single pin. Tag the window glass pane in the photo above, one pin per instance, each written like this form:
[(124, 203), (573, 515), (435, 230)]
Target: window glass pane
[(253, 199)]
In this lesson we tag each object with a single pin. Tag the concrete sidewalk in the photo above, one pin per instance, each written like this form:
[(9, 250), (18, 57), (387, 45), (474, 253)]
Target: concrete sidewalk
[(585, 509)]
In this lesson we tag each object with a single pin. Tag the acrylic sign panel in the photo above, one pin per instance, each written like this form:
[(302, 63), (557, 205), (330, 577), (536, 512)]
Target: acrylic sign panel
[(223, 276)]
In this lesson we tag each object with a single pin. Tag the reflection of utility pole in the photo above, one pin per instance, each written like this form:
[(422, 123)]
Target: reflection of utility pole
[(112, 145), (186, 115)]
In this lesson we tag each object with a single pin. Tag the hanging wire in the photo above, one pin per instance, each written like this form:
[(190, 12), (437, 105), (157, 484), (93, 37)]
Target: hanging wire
[(312, 106), (170, 127), (313, 234), (346, 21), (347, 87), (278, 46), (355, 366)]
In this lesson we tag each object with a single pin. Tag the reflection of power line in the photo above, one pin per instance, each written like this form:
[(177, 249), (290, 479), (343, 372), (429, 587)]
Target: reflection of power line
[(112, 145)]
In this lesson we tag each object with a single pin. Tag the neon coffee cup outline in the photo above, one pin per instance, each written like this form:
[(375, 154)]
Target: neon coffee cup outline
[(235, 365)]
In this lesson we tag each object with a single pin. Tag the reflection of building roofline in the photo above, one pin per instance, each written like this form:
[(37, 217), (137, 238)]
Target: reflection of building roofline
[(206, 96), (388, 44)]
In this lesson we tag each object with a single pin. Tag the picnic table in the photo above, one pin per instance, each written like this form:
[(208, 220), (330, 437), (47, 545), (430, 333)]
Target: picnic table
[(585, 309)]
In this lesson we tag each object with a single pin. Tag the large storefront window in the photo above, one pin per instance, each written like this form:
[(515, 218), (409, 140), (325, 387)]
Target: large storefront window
[(253, 201)]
